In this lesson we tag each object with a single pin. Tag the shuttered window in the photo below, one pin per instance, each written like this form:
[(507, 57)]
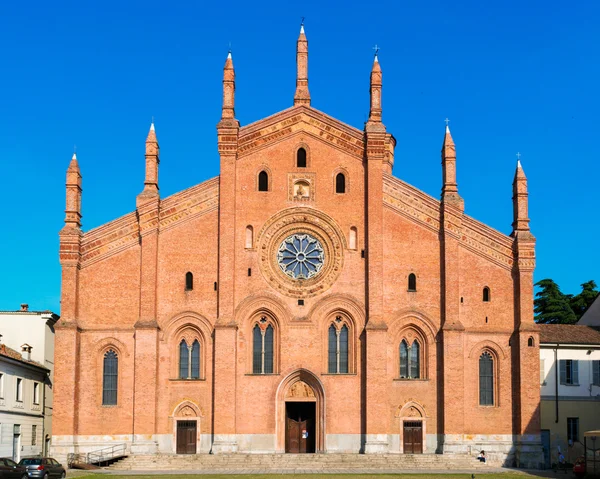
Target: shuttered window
[(110, 376), (486, 380), (569, 372), (596, 372)]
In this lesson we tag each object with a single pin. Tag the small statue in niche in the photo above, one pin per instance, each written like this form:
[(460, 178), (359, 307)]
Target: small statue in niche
[(302, 190)]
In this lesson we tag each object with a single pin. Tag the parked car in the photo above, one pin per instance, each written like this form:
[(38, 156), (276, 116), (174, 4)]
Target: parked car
[(43, 467), (9, 469)]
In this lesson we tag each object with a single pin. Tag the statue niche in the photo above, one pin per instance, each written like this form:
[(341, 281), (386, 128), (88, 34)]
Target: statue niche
[(301, 189)]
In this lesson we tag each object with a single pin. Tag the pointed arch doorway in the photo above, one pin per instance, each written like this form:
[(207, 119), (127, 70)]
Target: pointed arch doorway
[(300, 414)]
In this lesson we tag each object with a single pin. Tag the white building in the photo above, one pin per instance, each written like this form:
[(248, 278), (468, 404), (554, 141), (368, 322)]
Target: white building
[(21, 404), (36, 330), (570, 387)]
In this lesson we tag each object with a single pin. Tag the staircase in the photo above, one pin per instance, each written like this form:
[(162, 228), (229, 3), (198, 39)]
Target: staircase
[(301, 463)]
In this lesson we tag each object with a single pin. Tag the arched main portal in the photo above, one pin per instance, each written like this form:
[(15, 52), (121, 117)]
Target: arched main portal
[(300, 413)]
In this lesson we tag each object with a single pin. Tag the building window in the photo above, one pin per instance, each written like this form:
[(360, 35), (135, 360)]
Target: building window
[(301, 158), (530, 342), (569, 372), (486, 380), (189, 360), (263, 181), (340, 183), (33, 435), (19, 390), (36, 393), (249, 237), (596, 372), (262, 348), (573, 429), (338, 349), (110, 376), (486, 294), (189, 281), (412, 282), (410, 360)]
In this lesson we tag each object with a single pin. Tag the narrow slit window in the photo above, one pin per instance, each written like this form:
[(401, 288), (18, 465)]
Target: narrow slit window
[(415, 357), (530, 342), (301, 158), (183, 359), (249, 237), (340, 183), (403, 359), (189, 281), (352, 238), (486, 294), (263, 181), (412, 282), (196, 360)]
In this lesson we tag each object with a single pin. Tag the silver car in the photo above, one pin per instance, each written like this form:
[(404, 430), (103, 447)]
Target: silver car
[(43, 468)]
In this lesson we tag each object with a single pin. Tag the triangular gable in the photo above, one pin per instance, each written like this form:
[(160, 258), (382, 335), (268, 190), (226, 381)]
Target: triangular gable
[(274, 128)]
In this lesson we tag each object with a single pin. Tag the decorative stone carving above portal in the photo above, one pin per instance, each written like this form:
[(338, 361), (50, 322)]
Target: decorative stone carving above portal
[(300, 390)]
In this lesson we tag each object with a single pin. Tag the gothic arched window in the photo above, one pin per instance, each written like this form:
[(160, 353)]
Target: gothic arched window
[(340, 183), (110, 374), (403, 359), (263, 181), (301, 158), (263, 349), (189, 360), (486, 380), (415, 360), (412, 282), (189, 281), (338, 350), (486, 294)]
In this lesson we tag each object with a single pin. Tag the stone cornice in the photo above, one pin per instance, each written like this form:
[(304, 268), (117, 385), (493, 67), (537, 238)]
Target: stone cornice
[(124, 232), (425, 210), (275, 128)]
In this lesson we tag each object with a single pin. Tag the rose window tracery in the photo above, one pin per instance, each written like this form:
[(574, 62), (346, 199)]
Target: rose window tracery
[(300, 256)]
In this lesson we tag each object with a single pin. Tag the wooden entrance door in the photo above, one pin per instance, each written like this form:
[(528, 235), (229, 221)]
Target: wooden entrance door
[(296, 436), (186, 437), (413, 437)]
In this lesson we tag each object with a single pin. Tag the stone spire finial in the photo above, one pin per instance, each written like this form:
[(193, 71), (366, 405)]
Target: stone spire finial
[(302, 96), (449, 184), (73, 187), (520, 200), (152, 161), (228, 110), (375, 90)]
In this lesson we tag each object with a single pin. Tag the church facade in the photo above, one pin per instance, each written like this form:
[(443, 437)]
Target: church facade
[(305, 300)]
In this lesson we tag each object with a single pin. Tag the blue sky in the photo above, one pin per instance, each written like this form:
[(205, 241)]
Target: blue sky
[(511, 76)]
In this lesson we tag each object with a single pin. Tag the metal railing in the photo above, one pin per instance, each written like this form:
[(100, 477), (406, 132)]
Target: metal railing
[(98, 456)]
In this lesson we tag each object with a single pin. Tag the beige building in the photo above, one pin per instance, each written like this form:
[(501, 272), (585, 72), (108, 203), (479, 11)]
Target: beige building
[(33, 331), (570, 387)]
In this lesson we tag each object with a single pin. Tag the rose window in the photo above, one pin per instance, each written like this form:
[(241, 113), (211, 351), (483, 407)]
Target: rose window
[(300, 256)]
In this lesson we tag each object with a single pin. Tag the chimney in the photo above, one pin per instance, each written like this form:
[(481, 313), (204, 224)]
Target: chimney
[(26, 351), (24, 307)]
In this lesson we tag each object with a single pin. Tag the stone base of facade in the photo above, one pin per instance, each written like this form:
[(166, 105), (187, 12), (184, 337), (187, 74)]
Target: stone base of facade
[(505, 449), (376, 444)]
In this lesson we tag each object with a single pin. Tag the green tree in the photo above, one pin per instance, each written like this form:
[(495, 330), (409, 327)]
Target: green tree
[(580, 303), (551, 306)]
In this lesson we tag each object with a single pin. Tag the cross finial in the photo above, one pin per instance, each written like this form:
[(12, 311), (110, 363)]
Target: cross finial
[(74, 148), (229, 51), (518, 156), (302, 21), (447, 121), (376, 48)]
